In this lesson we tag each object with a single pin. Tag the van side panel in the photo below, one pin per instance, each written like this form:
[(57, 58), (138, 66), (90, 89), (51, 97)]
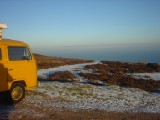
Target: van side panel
[(3, 70), (22, 71)]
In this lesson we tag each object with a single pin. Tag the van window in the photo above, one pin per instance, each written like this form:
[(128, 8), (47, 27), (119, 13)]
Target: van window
[(0, 54), (18, 53)]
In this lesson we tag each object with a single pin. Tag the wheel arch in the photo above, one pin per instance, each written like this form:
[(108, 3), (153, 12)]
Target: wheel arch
[(19, 81)]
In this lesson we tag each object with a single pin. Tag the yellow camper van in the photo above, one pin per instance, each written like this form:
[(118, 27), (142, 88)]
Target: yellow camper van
[(18, 71)]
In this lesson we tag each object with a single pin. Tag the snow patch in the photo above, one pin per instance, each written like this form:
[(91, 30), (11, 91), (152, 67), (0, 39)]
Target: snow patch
[(43, 73), (154, 76)]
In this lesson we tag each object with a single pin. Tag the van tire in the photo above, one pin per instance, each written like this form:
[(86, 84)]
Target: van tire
[(17, 92)]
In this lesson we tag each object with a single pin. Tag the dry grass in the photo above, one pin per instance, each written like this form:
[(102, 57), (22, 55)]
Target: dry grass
[(62, 76), (44, 62), (115, 73)]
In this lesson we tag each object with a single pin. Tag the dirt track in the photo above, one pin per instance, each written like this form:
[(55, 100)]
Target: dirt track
[(77, 115)]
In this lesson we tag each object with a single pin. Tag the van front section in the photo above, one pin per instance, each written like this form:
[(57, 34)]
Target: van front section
[(32, 79), (18, 69)]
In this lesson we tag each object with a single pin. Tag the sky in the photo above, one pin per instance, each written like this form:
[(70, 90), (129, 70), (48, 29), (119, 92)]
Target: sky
[(85, 28)]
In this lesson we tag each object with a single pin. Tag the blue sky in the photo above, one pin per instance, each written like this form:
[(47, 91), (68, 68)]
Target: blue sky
[(58, 26)]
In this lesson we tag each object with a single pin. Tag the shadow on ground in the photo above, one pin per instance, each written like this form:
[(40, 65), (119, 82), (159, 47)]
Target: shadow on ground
[(6, 106)]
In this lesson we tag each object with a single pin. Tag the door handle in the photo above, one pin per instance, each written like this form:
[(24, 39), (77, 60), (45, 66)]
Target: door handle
[(10, 69)]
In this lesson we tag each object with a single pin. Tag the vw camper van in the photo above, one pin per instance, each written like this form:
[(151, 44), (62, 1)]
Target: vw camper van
[(18, 71)]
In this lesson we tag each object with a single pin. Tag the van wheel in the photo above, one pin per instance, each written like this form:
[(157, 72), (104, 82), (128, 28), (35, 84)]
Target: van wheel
[(17, 92)]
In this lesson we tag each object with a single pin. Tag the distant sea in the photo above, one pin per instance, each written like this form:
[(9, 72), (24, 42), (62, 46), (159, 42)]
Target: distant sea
[(152, 56)]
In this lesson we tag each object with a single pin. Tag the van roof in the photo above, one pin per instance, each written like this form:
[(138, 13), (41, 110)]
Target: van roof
[(12, 42)]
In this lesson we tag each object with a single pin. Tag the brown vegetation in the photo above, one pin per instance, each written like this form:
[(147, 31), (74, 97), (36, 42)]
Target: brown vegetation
[(62, 76), (44, 62), (115, 73), (133, 67)]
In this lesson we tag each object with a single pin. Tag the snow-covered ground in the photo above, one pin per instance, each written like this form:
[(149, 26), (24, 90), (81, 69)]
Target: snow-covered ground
[(86, 96), (43, 73)]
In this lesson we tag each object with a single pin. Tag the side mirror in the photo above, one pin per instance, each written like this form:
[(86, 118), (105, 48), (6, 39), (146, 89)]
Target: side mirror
[(26, 57)]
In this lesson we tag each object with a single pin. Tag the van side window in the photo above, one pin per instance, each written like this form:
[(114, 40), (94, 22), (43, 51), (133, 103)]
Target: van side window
[(18, 53), (0, 54)]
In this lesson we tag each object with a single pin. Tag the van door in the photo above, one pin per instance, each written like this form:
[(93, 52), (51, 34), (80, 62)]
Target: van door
[(3, 70), (21, 65)]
